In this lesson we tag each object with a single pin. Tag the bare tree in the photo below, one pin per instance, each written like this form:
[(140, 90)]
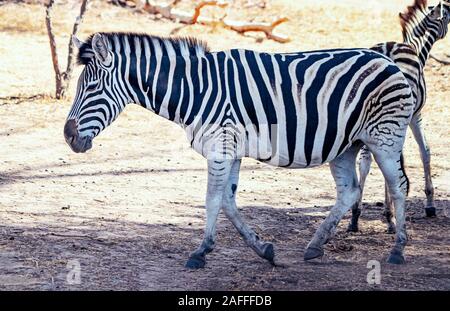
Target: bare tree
[(62, 78)]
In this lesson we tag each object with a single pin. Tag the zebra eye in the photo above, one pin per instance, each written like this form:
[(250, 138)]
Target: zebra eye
[(91, 85)]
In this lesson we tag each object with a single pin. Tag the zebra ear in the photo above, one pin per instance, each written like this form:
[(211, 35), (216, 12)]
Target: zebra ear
[(437, 11), (85, 53), (77, 42), (101, 49)]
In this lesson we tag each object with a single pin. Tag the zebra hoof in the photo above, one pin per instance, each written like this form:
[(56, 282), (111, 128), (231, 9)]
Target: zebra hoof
[(196, 262), (391, 229), (430, 211), (268, 252), (352, 227), (313, 252), (396, 258)]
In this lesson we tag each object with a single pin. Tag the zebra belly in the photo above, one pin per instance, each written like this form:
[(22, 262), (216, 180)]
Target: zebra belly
[(274, 148), (274, 145)]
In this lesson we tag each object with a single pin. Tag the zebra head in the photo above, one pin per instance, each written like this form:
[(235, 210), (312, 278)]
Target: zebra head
[(422, 26), (439, 17), (99, 97)]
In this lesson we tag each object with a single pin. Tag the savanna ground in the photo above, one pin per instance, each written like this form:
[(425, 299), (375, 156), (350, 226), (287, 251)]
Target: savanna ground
[(131, 210)]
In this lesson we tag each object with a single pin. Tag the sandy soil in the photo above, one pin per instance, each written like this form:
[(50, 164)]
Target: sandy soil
[(131, 210)]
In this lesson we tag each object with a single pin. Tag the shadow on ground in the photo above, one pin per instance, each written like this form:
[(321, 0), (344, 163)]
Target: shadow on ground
[(124, 255)]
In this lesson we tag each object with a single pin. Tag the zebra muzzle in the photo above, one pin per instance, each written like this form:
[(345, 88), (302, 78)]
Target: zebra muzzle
[(74, 140)]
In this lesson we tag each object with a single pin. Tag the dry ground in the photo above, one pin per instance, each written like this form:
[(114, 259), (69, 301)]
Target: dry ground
[(131, 210)]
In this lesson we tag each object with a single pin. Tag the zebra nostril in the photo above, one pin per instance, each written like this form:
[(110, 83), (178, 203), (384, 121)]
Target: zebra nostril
[(70, 131)]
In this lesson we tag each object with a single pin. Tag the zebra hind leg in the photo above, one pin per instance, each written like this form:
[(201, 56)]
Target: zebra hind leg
[(218, 173), (365, 161), (391, 166), (343, 169), (263, 249)]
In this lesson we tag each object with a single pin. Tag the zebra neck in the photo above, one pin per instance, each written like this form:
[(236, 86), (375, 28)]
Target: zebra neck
[(422, 39)]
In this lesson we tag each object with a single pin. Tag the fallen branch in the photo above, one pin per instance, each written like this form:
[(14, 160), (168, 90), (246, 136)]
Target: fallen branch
[(62, 77), (168, 11), (267, 28), (201, 5), (442, 61)]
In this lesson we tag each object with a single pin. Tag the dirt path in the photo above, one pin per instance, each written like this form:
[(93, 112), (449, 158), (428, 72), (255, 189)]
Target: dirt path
[(131, 210)]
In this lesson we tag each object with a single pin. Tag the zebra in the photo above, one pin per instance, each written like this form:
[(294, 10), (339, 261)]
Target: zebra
[(293, 110), (422, 26)]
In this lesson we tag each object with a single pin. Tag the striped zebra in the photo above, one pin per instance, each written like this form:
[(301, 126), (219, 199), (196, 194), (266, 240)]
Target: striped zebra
[(293, 110), (422, 26)]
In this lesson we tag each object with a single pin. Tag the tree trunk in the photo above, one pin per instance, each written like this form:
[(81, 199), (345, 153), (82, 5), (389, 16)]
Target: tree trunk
[(62, 79)]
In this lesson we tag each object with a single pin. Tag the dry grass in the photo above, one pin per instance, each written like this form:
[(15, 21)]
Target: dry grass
[(311, 26)]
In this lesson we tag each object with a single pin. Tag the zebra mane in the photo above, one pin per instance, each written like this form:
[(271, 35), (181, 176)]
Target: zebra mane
[(413, 12), (181, 45)]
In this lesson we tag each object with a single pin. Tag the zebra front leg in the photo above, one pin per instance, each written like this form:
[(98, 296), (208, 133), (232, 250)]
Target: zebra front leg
[(343, 169), (264, 250), (218, 174), (365, 161), (391, 166), (419, 135)]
